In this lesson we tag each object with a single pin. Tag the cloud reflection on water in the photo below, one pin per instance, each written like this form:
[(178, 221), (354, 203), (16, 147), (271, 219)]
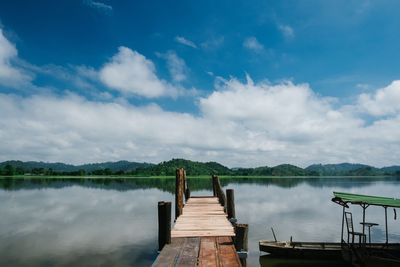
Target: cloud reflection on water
[(73, 226)]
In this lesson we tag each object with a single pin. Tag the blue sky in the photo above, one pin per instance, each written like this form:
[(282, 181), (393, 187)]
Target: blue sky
[(243, 83)]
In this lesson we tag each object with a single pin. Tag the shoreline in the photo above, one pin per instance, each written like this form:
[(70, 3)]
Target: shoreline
[(88, 177)]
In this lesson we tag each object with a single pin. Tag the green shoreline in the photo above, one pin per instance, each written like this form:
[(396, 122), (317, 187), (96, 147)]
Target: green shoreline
[(21, 177)]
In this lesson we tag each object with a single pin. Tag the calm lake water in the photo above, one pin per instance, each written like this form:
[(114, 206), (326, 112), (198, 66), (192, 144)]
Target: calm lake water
[(113, 222)]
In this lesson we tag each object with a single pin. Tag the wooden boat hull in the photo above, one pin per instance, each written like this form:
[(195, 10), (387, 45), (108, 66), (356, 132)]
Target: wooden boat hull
[(376, 254), (305, 250), (332, 251)]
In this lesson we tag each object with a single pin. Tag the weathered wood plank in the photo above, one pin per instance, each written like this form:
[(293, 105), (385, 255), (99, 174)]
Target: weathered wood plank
[(205, 223), (208, 252), (227, 255), (202, 217), (170, 253), (203, 200), (201, 233), (197, 197), (189, 253), (201, 207)]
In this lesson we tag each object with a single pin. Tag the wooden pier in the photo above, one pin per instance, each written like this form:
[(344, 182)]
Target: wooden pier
[(202, 234)]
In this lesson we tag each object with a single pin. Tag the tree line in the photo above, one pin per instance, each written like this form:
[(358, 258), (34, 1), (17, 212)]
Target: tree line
[(193, 168)]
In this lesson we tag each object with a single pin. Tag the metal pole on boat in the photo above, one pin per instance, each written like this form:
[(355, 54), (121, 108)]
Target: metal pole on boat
[(387, 239), (342, 223), (273, 233), (364, 207)]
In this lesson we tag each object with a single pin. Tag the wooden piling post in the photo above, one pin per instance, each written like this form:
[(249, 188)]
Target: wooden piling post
[(179, 191), (230, 203), (214, 185), (187, 193), (218, 192), (164, 224), (186, 187), (241, 238)]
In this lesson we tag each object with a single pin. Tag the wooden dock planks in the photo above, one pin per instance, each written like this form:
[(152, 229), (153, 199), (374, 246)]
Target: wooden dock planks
[(202, 217), (182, 252), (200, 252), (201, 236), (217, 251)]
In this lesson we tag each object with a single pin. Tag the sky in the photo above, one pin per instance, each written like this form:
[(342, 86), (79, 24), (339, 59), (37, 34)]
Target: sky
[(243, 83)]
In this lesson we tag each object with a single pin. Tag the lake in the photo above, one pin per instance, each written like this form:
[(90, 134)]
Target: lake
[(113, 222)]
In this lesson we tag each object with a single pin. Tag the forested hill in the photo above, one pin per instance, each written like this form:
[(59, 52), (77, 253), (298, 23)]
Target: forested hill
[(193, 168), (35, 167), (348, 169)]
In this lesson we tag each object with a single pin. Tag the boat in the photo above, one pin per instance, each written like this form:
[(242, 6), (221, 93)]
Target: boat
[(303, 250), (364, 253), (361, 253), (324, 250)]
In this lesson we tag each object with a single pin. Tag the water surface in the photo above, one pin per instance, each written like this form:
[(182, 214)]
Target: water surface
[(113, 222)]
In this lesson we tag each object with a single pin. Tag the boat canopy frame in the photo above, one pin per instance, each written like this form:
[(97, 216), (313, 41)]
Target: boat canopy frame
[(365, 201), (345, 198)]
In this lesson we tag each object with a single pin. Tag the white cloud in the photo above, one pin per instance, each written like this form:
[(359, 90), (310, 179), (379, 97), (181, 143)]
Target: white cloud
[(384, 101), (287, 31), (240, 124), (87, 72), (70, 128), (363, 86), (176, 66), (98, 5), (10, 75), (213, 43), (131, 73), (283, 111), (184, 41), (253, 44)]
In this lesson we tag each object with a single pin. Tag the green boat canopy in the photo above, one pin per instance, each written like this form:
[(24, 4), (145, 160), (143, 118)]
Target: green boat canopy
[(344, 198)]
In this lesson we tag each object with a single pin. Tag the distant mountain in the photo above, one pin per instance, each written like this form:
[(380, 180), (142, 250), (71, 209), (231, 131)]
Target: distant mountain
[(280, 170), (392, 170), (123, 165), (333, 169), (30, 165), (193, 168), (348, 169), (49, 168), (366, 171), (288, 170)]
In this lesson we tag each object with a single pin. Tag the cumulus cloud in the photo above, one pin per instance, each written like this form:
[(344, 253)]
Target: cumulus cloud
[(253, 44), (239, 124), (10, 75), (384, 101), (286, 31), (131, 73), (72, 128), (184, 41), (176, 66)]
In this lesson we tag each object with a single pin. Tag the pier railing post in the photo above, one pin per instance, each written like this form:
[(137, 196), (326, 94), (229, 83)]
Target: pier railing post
[(218, 192), (230, 203), (187, 194), (179, 189), (241, 238), (164, 224), (186, 187), (214, 185)]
